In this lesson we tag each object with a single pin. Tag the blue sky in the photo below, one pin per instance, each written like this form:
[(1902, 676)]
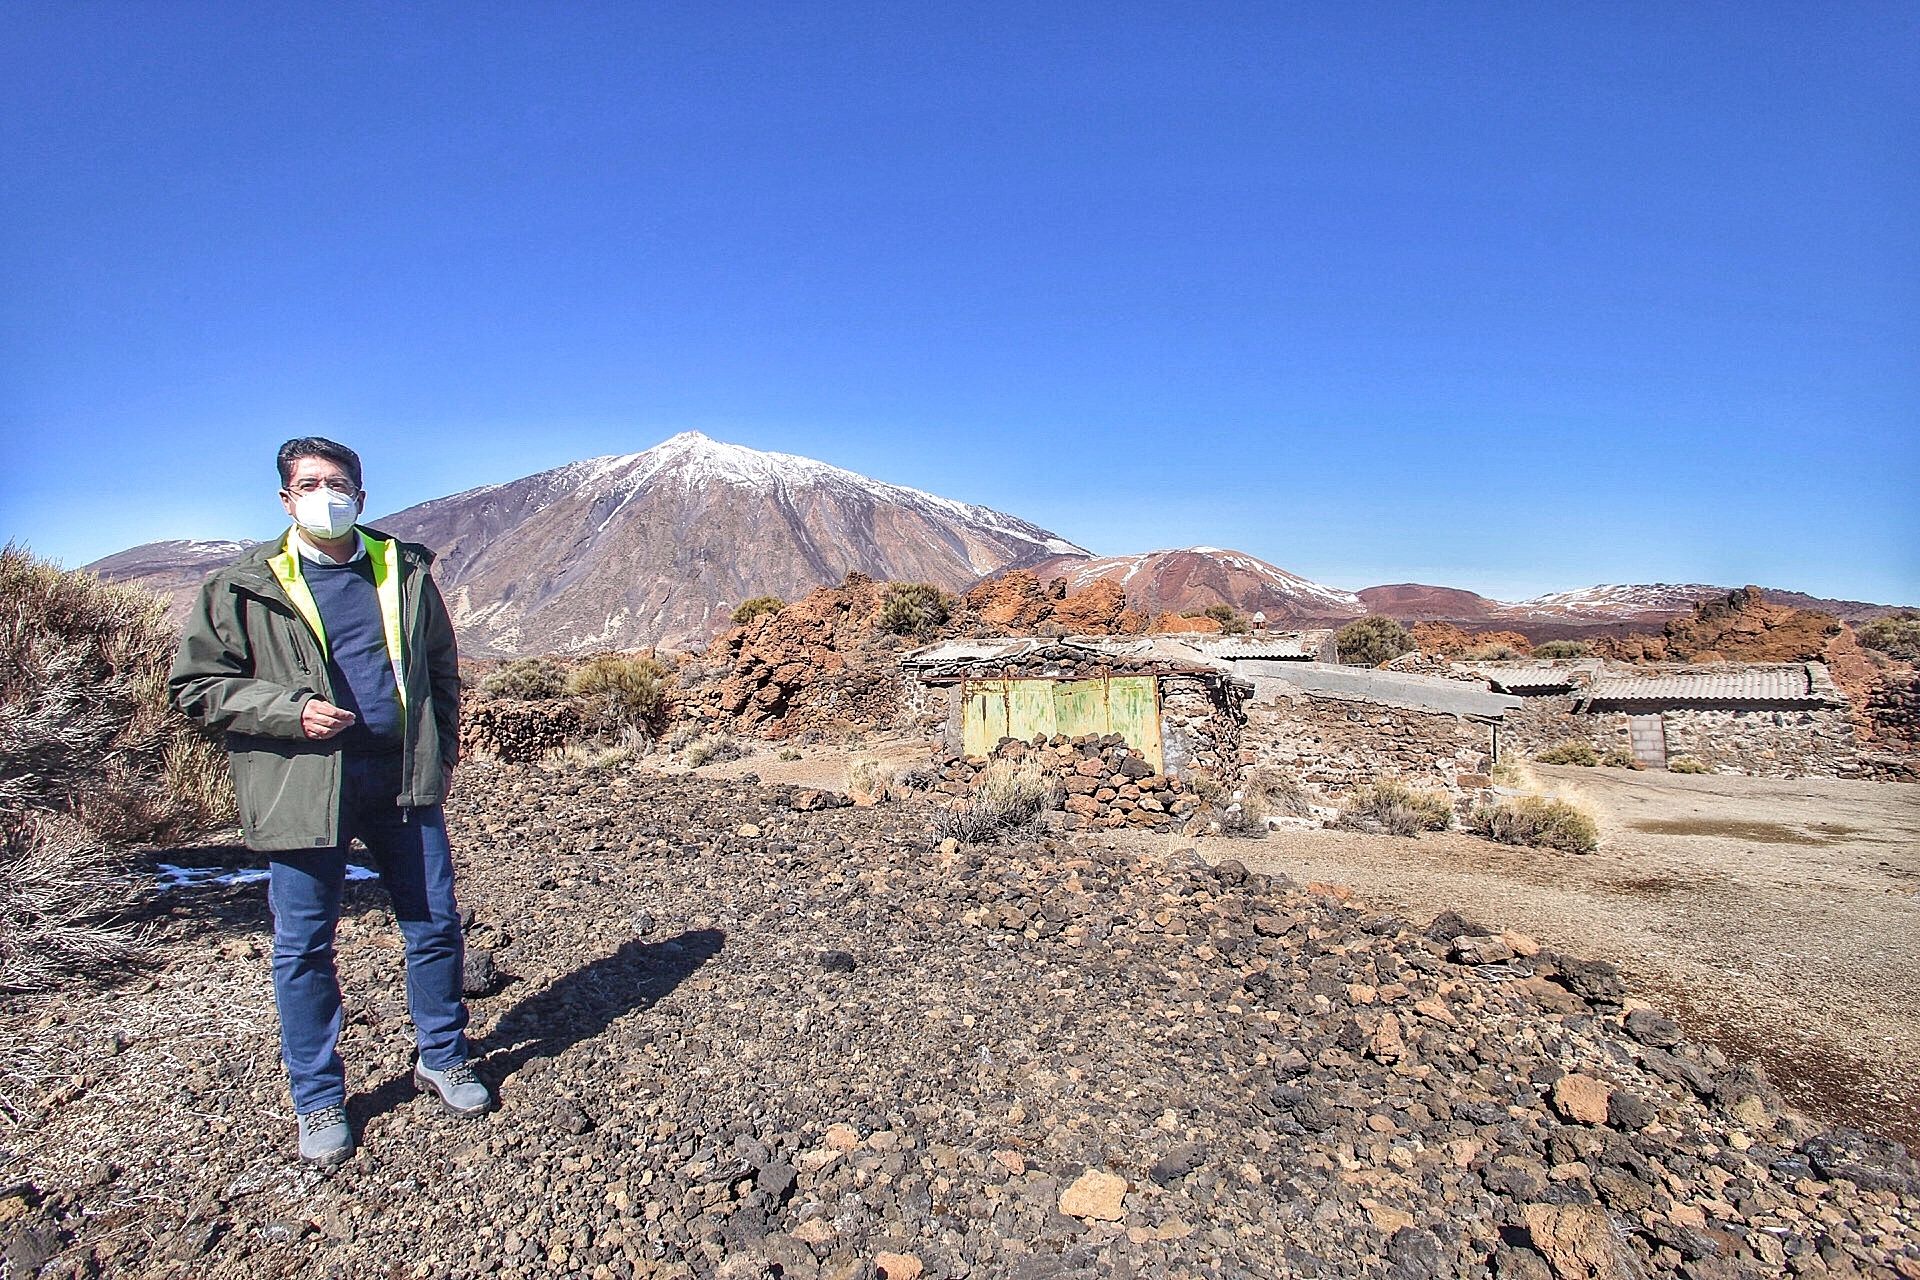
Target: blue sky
[(1514, 297)]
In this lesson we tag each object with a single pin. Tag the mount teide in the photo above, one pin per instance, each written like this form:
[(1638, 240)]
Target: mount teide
[(658, 546)]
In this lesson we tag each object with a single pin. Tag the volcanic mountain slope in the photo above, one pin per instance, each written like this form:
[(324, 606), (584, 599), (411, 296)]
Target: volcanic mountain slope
[(1190, 578), (659, 546), (172, 570)]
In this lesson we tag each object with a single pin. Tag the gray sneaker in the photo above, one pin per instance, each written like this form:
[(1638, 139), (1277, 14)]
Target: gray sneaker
[(458, 1089), (326, 1138)]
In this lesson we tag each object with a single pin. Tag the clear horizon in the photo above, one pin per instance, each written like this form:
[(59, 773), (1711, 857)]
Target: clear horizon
[(1514, 301)]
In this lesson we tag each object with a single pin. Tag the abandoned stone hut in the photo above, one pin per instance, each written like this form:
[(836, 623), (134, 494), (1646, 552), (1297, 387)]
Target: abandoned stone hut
[(1210, 707), (1180, 710), (1768, 721), (1775, 720)]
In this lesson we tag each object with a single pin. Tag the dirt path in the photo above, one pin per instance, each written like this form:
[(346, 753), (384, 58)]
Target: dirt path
[(1780, 918)]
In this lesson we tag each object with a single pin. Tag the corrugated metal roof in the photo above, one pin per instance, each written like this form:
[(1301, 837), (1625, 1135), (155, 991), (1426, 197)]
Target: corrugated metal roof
[(996, 651), (1278, 644), (1759, 684), (1537, 675)]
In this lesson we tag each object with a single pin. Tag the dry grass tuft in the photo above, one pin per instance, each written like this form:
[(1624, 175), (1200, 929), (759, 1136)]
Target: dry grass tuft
[(1575, 751), (1010, 796), (710, 748), (873, 781)]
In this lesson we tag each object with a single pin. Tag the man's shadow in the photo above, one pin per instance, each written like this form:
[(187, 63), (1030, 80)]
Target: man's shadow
[(578, 1007)]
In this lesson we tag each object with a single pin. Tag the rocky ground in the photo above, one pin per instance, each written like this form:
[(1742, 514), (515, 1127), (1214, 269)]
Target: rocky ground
[(736, 1039)]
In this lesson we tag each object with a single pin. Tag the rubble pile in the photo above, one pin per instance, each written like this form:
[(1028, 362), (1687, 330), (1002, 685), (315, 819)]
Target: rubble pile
[(1102, 782), (816, 664)]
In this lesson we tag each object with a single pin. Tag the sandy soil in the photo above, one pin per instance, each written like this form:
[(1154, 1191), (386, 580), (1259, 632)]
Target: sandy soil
[(1780, 919)]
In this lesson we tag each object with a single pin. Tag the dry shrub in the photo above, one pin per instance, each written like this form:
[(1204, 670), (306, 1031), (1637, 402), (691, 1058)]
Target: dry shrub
[(918, 776), (710, 748), (1273, 792), (1010, 796), (1685, 764), (589, 755), (786, 754), (1573, 751), (526, 680), (621, 689), (872, 781), (85, 724), (64, 899), (1396, 808), (1538, 821), (1619, 758), (1562, 649)]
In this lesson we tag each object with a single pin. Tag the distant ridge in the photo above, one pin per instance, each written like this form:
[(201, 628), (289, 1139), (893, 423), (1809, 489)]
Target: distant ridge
[(659, 546)]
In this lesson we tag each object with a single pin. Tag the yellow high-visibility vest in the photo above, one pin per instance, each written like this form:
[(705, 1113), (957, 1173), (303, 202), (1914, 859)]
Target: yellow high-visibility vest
[(385, 557)]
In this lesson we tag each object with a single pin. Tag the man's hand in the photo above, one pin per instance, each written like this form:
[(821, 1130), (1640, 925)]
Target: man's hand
[(321, 719), (446, 771)]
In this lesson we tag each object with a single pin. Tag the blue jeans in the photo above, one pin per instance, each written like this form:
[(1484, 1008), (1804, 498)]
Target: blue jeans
[(409, 849)]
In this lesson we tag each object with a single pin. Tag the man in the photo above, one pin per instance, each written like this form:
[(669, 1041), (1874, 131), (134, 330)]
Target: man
[(328, 659)]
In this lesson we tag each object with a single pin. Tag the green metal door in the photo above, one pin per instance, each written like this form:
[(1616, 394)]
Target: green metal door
[(1026, 709)]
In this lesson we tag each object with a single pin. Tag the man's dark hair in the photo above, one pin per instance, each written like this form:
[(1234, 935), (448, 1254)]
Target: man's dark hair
[(317, 447)]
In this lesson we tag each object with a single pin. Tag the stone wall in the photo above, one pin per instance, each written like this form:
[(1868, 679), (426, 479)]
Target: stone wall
[(1792, 743), (1200, 726), (1334, 744), (1103, 782), (1892, 712), (504, 729), (1547, 720), (1759, 744)]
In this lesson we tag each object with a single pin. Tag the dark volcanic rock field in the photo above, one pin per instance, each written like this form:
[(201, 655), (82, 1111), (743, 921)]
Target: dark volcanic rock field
[(735, 1039)]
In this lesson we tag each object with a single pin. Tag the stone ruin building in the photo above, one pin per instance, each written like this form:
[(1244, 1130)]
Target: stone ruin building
[(1220, 705)]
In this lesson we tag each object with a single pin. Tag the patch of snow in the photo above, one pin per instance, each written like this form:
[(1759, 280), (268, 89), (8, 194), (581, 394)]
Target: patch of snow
[(172, 877)]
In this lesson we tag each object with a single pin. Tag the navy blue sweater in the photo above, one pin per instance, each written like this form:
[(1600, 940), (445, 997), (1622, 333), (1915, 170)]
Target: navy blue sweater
[(357, 660)]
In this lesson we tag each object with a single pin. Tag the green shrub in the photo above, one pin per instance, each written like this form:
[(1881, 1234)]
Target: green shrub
[(1573, 751), (913, 609), (1396, 808), (621, 689), (1685, 764), (526, 680), (1562, 649), (1897, 635), (1010, 795), (1536, 821), (1370, 641), (1496, 652), (1232, 621), (751, 609), (787, 755)]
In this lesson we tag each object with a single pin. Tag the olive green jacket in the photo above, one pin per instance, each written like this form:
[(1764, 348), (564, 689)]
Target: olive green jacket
[(248, 663)]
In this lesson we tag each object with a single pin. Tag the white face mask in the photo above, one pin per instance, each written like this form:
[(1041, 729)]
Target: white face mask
[(324, 513)]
